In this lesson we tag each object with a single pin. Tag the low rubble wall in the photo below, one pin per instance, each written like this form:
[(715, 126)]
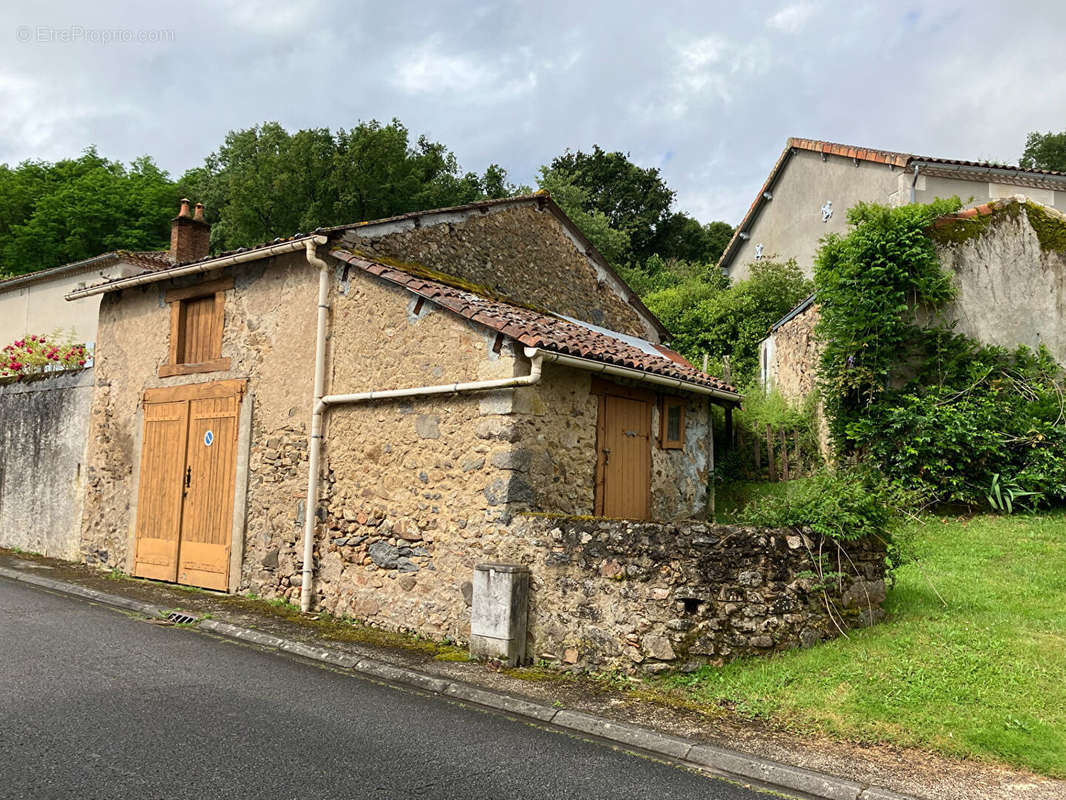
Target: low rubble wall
[(654, 596)]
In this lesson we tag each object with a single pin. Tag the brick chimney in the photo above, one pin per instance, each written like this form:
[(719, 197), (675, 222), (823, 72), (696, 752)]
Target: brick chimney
[(190, 235)]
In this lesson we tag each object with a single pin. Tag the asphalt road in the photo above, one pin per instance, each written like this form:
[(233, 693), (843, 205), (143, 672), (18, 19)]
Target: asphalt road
[(98, 704)]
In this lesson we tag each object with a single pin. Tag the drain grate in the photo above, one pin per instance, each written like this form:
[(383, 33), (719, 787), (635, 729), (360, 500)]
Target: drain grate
[(180, 618)]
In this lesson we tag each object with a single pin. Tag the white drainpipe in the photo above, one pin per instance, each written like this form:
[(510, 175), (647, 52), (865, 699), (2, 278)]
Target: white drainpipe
[(314, 444), (534, 355)]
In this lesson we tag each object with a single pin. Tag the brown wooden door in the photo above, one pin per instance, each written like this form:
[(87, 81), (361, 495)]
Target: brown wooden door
[(624, 457), (185, 497), (160, 490), (210, 464)]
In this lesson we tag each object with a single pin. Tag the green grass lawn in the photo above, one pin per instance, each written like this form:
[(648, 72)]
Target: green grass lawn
[(982, 677)]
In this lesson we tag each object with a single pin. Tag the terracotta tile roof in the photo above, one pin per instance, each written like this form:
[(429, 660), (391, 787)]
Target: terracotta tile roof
[(991, 207), (149, 259), (541, 329), (849, 151), (1021, 176)]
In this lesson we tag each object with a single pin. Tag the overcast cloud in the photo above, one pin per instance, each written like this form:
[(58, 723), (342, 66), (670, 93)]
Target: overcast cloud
[(706, 91)]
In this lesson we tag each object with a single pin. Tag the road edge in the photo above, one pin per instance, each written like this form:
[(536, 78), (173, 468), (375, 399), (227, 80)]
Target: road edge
[(723, 762)]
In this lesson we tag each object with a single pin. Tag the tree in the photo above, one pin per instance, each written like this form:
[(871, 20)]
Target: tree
[(1045, 151), (704, 314), (78, 208), (265, 182), (632, 199), (612, 243)]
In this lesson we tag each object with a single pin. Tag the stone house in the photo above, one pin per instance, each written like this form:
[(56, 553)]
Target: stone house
[(352, 419), (814, 183)]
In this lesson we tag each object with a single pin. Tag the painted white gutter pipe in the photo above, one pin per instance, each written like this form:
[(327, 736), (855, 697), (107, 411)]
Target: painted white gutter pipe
[(314, 444), (199, 266), (634, 374), (535, 357)]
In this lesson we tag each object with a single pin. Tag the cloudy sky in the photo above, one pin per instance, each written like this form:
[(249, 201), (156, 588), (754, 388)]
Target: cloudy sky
[(706, 91)]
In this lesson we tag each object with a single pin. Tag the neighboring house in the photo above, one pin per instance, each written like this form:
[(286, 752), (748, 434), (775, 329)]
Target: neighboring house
[(34, 303), (814, 183), (44, 419), (419, 380)]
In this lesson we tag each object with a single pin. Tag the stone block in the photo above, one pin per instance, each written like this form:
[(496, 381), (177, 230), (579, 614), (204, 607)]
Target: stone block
[(427, 426), (499, 611), (659, 648)]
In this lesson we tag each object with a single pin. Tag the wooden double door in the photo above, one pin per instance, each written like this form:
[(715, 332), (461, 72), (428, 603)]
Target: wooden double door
[(623, 464), (188, 471)]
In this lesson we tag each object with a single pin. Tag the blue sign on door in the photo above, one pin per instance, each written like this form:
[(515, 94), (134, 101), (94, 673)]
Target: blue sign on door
[(208, 438)]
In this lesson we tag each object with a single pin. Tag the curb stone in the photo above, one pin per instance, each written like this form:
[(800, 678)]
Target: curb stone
[(83, 591), (719, 760)]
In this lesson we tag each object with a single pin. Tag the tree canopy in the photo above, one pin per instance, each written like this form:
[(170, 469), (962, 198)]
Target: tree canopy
[(265, 182), (1045, 151), (55, 213), (612, 191)]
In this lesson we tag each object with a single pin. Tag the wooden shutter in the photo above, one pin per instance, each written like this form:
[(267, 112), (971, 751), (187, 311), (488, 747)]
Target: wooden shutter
[(200, 340)]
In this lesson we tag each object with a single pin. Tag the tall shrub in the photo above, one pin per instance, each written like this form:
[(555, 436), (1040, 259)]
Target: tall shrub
[(937, 412)]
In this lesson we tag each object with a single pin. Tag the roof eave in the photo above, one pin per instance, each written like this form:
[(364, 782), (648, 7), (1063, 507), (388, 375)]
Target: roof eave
[(207, 265)]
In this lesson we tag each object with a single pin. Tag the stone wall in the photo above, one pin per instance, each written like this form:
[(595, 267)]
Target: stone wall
[(519, 251), (651, 596), (44, 426), (1009, 269), (268, 335), (793, 370), (417, 491)]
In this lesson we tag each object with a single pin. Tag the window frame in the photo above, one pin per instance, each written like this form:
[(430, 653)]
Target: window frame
[(178, 300), (668, 402)]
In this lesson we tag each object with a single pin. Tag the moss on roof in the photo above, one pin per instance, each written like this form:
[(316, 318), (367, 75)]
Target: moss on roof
[(422, 271), (956, 229), (1049, 225)]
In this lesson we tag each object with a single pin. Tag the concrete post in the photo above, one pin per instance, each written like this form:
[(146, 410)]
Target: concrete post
[(498, 612)]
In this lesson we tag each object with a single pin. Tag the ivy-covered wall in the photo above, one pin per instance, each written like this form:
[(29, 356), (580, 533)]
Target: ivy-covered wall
[(1009, 267)]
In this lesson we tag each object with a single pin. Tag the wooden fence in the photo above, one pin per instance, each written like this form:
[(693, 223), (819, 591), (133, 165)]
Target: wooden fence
[(774, 454)]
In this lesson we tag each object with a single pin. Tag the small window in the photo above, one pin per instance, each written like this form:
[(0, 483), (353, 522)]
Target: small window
[(196, 317), (199, 337), (672, 424)]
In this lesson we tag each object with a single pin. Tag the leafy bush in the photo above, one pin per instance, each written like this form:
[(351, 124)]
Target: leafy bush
[(707, 315), (938, 413), (841, 504), (34, 354)]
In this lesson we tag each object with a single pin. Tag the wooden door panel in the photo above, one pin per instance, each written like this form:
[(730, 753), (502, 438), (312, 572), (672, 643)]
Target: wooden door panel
[(626, 457), (208, 509), (159, 503)]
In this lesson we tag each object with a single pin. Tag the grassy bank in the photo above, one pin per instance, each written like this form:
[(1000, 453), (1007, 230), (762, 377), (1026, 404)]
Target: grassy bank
[(980, 673)]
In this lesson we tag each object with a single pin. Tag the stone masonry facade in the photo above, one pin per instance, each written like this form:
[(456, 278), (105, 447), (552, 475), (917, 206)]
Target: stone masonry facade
[(646, 596), (521, 252), (417, 491)]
